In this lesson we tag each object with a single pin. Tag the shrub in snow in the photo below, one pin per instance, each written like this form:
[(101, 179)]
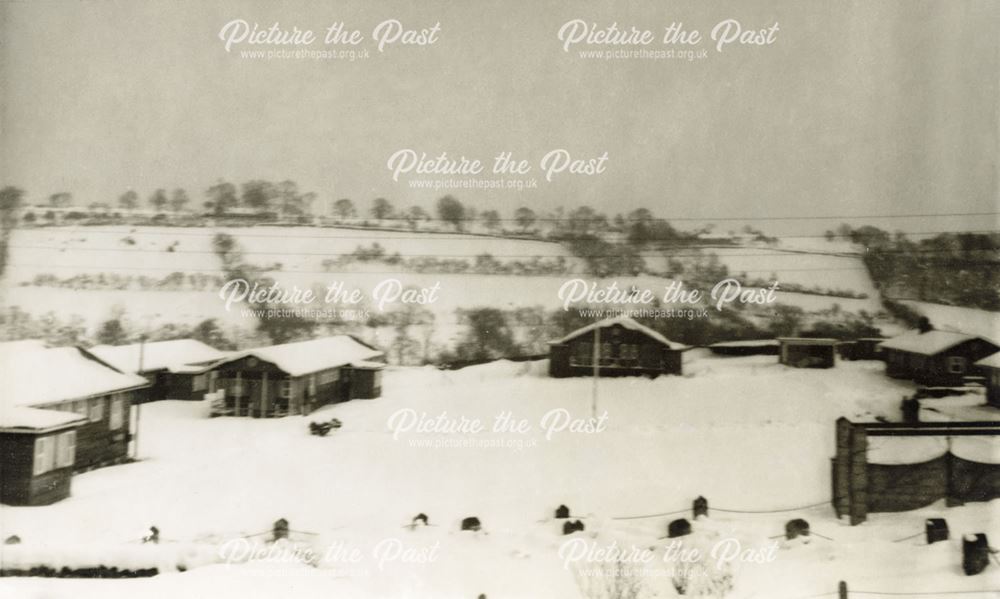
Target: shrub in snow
[(152, 535), (696, 573), (322, 428), (471, 523), (678, 528), (615, 580), (796, 528), (571, 526), (562, 512)]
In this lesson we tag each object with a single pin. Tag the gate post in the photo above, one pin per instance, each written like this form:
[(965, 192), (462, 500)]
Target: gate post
[(859, 474)]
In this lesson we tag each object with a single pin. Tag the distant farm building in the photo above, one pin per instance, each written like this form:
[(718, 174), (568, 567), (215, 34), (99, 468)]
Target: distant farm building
[(935, 358), (990, 366), (61, 410), (807, 352), (176, 369), (298, 378), (758, 347), (625, 348)]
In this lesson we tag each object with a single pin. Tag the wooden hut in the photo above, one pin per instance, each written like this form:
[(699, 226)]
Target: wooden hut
[(297, 378), (755, 347), (176, 369), (38, 448), (867, 348), (807, 352), (990, 367), (935, 358), (94, 400), (864, 348), (624, 348)]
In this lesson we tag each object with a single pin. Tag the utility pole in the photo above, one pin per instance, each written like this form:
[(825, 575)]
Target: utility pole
[(597, 370), (138, 405)]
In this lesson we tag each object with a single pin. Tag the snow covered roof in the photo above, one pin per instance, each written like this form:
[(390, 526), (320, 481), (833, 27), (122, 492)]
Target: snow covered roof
[(929, 343), (368, 365), (808, 341), (24, 419), (915, 450), (747, 343), (158, 355), (623, 321), (35, 375), (990, 361), (305, 357)]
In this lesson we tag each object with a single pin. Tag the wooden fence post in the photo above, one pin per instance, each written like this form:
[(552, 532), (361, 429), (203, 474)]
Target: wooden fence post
[(842, 590)]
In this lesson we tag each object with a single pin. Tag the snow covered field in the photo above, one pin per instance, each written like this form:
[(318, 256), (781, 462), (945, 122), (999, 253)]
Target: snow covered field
[(732, 429), (159, 251)]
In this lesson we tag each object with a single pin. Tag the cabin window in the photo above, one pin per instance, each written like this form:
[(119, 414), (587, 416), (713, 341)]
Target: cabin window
[(607, 353), (312, 384), (956, 364), (584, 354), (80, 407), (117, 415), (44, 454), (330, 376), (65, 449), (285, 390), (96, 409), (199, 382), (377, 378)]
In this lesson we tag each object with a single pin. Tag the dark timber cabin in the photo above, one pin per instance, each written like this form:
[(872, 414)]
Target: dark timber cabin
[(990, 366), (935, 358), (807, 352), (759, 347), (863, 348), (627, 348), (176, 369), (297, 378), (62, 410)]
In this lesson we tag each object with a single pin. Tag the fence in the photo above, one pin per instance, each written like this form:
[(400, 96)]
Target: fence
[(860, 487)]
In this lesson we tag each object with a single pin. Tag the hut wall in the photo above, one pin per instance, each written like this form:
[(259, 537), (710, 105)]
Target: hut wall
[(97, 444), (807, 356), (902, 487), (18, 485), (575, 357)]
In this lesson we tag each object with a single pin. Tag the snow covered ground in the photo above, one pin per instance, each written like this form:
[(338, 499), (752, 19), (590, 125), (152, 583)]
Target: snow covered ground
[(746, 433)]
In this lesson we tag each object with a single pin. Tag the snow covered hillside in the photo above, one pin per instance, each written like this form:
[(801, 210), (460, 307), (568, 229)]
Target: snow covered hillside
[(734, 430)]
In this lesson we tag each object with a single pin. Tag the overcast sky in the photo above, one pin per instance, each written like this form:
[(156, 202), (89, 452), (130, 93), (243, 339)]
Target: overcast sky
[(857, 108)]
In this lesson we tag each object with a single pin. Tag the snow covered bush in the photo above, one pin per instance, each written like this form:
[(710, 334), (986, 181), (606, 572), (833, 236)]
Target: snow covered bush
[(617, 580)]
